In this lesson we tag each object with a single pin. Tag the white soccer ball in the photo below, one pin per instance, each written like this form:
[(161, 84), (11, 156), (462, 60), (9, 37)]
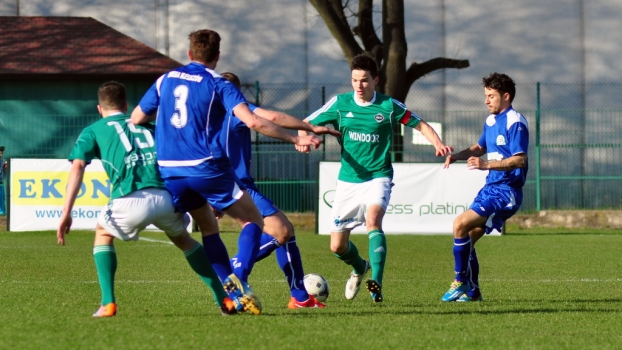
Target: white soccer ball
[(317, 286)]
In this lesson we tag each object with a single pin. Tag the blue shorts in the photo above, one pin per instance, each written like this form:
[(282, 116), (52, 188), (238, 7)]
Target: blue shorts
[(191, 193), (266, 206), (497, 204)]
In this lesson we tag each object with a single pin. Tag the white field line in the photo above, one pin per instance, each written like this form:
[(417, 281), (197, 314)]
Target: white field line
[(154, 240)]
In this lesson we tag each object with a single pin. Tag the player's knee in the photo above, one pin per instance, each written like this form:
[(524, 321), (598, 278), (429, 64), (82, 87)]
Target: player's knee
[(461, 228), (338, 247)]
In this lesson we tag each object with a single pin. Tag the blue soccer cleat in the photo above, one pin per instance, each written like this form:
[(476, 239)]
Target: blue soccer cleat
[(456, 290), (472, 295), (375, 289), (242, 295)]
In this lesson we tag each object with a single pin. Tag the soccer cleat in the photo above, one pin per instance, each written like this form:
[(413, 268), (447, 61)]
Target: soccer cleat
[(456, 289), (228, 307), (375, 289), (108, 310), (242, 295), (465, 298), (354, 283), (308, 304)]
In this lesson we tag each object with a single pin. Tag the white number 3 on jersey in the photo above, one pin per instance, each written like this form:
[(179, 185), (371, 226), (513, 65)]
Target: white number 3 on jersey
[(180, 117)]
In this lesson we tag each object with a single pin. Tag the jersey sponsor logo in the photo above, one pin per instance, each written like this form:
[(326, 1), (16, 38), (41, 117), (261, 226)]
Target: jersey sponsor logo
[(500, 140), (379, 117), (349, 115), (362, 137), (185, 76), (339, 221), (43, 188), (494, 156)]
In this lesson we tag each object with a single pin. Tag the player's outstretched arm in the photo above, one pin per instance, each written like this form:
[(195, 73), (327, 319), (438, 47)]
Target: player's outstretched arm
[(287, 121), (516, 161), (473, 151), (430, 134), (76, 174), (139, 117), (266, 127)]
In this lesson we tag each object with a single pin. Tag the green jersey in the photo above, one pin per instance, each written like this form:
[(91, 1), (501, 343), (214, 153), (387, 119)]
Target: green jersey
[(366, 133), (126, 150)]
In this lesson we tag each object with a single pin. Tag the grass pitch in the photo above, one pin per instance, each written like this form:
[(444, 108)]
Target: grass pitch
[(545, 289)]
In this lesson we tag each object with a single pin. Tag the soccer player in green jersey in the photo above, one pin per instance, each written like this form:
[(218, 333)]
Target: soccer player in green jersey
[(137, 199), (365, 119)]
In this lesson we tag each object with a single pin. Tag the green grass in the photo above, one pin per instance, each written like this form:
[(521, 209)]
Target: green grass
[(545, 289)]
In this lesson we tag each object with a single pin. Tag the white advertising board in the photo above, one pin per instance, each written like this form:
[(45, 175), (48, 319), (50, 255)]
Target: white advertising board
[(425, 199), (37, 194)]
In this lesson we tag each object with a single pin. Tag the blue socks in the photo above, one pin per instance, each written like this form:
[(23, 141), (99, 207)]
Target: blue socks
[(474, 274), (290, 261), (217, 255), (248, 247), (267, 245), (462, 250)]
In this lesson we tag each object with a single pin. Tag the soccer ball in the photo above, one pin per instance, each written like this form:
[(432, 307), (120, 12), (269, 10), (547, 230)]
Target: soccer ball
[(317, 286)]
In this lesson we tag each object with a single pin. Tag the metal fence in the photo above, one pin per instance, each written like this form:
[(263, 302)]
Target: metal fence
[(575, 149)]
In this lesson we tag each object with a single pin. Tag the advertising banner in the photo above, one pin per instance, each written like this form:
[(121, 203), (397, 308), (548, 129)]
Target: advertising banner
[(424, 200), (37, 194)]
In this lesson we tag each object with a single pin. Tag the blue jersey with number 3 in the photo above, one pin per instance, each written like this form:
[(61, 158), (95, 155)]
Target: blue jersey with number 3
[(192, 102), (505, 135)]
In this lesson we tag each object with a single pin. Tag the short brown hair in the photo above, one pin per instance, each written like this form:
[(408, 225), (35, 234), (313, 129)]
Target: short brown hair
[(232, 78), (111, 95), (365, 63), (204, 45)]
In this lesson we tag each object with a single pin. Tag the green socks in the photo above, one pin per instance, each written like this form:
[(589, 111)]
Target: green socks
[(106, 265), (352, 257), (200, 264), (377, 254)]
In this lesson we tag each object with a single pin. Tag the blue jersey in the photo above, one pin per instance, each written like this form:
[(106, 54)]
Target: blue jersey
[(237, 142), (505, 135), (192, 102)]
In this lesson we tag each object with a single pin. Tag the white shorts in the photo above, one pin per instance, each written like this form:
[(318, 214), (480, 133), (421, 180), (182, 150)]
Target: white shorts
[(125, 217), (352, 199)]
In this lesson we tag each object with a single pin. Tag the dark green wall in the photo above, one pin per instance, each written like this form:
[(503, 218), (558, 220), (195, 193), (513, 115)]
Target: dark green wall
[(43, 118)]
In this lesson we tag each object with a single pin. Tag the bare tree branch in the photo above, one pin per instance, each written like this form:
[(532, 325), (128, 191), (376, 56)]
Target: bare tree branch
[(418, 70), (333, 15), (366, 31)]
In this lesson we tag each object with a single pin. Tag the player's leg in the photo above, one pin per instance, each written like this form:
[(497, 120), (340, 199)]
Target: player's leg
[(174, 225), (122, 218), (105, 259), (246, 214), (187, 198), (347, 252), (463, 224), (377, 250), (277, 229), (474, 293)]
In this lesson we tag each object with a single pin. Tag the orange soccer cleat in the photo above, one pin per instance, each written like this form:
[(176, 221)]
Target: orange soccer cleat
[(311, 303), (106, 310), (228, 307)]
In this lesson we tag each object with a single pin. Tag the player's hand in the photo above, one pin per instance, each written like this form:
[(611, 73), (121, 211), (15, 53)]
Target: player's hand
[(444, 150), (322, 130), (476, 163), (303, 149), (308, 140), (63, 229), (448, 160), (217, 213)]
